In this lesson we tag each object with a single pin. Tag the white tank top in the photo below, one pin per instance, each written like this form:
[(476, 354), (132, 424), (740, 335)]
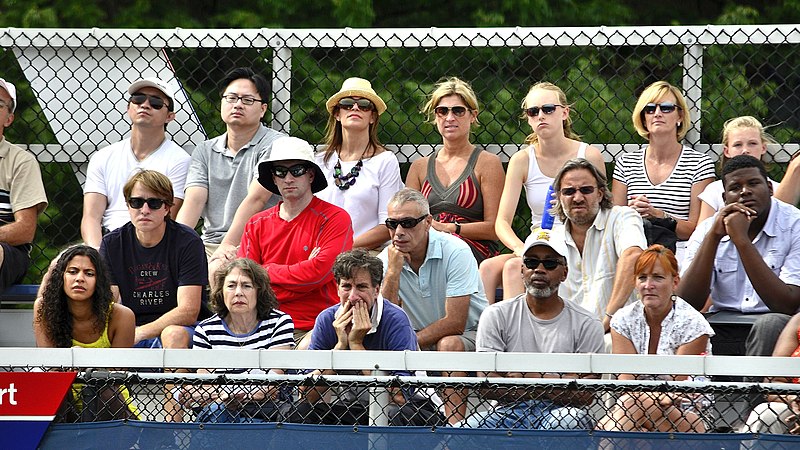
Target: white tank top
[(536, 185)]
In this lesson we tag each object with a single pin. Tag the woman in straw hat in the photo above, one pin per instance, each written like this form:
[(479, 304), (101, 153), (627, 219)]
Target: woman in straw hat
[(462, 182), (362, 175)]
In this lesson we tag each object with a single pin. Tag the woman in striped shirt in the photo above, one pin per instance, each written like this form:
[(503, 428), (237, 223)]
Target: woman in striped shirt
[(246, 318), (663, 180)]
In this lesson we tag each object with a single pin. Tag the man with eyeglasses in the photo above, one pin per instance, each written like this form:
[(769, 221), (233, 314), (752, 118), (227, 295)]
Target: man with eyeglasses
[(151, 107), (222, 186), (22, 196), (434, 277), (603, 241), (538, 321), (298, 240)]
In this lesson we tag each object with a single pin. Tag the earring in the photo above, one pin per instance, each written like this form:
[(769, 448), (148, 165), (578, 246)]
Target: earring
[(679, 124)]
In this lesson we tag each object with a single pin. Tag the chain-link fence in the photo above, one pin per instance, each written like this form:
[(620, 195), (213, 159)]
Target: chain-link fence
[(499, 391), (72, 87), (505, 404)]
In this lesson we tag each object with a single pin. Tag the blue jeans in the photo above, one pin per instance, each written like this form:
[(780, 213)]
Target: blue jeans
[(534, 415), (218, 413)]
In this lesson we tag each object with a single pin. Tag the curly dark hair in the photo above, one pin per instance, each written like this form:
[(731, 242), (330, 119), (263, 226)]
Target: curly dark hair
[(265, 296), (54, 312)]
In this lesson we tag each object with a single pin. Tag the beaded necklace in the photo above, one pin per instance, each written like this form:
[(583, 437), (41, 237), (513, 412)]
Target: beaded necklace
[(343, 182)]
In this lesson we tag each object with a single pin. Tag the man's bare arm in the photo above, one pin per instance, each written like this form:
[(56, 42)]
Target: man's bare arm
[(94, 205), (456, 310), (193, 204), (189, 299)]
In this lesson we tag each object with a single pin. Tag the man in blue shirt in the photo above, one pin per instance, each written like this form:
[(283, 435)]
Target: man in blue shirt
[(363, 320), (434, 278)]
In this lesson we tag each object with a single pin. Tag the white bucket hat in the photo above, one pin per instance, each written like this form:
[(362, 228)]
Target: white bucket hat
[(290, 148)]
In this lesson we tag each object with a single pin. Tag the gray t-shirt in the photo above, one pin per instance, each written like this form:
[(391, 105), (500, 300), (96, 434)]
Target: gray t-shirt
[(509, 326), (227, 178)]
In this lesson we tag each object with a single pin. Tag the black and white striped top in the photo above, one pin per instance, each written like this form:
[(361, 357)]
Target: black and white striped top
[(276, 330), (674, 194)]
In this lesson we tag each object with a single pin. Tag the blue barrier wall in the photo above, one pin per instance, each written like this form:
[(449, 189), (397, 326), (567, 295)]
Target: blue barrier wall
[(148, 435)]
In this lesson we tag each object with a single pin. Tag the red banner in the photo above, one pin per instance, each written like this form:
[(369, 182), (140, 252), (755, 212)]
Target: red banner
[(28, 402), (33, 393)]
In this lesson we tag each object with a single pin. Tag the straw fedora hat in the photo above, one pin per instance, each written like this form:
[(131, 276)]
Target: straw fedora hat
[(290, 148), (356, 87)]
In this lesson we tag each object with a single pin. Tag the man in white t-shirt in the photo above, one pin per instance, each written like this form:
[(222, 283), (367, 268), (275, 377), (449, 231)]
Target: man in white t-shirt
[(150, 107), (538, 321)]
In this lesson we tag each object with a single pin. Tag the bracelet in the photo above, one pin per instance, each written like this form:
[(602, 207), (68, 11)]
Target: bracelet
[(609, 315), (458, 227)]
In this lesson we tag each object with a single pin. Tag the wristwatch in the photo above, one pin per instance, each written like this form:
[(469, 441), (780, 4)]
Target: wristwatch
[(458, 227)]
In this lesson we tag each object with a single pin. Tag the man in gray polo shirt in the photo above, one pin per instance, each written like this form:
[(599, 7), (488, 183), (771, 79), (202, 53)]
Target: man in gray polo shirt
[(222, 186)]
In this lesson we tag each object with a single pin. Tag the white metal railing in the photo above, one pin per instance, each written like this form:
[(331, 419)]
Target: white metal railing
[(408, 360)]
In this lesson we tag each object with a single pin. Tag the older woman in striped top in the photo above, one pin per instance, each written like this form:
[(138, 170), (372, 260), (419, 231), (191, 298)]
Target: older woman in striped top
[(246, 318)]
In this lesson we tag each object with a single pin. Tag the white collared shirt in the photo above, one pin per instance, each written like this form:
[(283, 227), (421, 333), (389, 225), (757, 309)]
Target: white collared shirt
[(590, 279), (778, 243)]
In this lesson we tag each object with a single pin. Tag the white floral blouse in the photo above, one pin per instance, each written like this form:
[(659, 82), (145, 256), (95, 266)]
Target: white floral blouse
[(682, 325)]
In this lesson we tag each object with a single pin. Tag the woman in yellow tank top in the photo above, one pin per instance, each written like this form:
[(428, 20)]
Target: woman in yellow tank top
[(77, 309)]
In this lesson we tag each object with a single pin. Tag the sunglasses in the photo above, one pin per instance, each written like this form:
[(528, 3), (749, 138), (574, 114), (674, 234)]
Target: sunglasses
[(152, 203), (443, 111), (407, 223), (666, 107), (363, 104), (233, 98), (570, 191), (137, 98), (297, 170), (549, 264), (547, 108)]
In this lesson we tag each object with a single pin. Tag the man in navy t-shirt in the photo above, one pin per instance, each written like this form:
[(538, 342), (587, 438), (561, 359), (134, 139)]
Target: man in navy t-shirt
[(158, 267)]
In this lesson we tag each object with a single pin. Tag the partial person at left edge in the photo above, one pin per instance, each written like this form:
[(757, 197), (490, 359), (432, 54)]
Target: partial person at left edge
[(151, 106), (22, 196)]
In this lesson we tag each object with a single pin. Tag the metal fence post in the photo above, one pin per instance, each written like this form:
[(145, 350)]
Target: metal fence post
[(378, 407), (693, 87), (281, 88)]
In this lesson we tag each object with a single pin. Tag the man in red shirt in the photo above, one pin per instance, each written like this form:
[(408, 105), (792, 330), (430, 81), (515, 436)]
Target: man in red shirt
[(297, 240)]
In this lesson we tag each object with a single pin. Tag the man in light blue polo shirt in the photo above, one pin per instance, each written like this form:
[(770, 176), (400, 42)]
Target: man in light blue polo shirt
[(434, 278)]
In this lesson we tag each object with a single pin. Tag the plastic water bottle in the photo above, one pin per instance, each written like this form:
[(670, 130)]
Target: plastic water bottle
[(547, 217)]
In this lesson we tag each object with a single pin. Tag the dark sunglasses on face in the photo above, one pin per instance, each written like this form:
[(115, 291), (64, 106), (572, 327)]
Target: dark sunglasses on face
[(549, 264), (407, 222), (152, 203), (666, 107), (297, 170), (233, 98), (155, 102), (363, 104), (547, 108), (443, 111), (570, 191)]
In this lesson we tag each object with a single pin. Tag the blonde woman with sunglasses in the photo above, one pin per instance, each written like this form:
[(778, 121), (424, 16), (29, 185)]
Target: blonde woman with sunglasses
[(663, 180), (552, 142), (461, 181)]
